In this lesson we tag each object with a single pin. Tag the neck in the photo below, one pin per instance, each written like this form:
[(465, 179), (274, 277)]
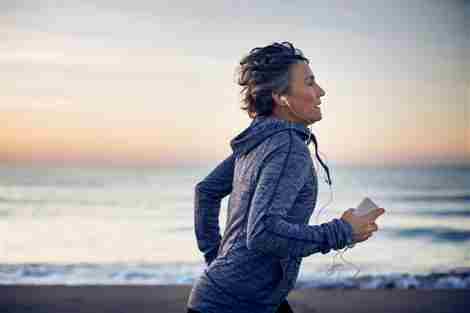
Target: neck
[(284, 113)]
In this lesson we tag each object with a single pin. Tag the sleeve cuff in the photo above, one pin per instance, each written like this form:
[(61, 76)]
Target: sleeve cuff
[(347, 233)]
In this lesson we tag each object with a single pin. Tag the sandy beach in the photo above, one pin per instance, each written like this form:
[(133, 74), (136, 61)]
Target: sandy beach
[(172, 299)]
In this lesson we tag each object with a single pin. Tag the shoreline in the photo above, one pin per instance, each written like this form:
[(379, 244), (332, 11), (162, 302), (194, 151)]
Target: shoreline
[(173, 298), (154, 275)]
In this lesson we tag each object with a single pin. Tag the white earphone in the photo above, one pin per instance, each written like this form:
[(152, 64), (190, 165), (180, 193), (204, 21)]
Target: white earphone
[(284, 101)]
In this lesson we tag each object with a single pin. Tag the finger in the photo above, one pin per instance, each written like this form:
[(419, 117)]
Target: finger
[(373, 227), (374, 214), (359, 238), (365, 236)]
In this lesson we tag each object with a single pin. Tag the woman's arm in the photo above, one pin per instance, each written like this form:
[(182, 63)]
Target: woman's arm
[(208, 196), (281, 178)]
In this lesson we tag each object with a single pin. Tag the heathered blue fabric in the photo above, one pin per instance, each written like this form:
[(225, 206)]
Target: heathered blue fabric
[(273, 191)]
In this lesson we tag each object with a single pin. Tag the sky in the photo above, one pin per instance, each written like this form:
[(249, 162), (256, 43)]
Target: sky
[(153, 83)]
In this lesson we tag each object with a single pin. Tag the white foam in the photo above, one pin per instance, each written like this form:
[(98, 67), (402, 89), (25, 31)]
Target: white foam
[(185, 274)]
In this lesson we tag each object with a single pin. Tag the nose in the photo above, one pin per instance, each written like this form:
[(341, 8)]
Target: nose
[(322, 92)]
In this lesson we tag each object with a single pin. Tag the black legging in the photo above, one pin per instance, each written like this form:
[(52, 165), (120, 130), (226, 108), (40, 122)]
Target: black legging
[(283, 308)]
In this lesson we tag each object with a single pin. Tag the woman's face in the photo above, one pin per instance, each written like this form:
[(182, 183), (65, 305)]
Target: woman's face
[(304, 95)]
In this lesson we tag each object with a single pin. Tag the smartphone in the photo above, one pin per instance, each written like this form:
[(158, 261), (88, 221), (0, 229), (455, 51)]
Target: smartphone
[(365, 207)]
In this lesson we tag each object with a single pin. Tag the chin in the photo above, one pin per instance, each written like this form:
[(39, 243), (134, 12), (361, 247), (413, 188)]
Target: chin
[(316, 119)]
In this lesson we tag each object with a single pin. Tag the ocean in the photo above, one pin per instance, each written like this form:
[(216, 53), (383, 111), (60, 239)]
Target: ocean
[(108, 226)]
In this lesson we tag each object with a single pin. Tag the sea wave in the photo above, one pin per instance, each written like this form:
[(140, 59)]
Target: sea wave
[(458, 197), (185, 274), (439, 234), (455, 279)]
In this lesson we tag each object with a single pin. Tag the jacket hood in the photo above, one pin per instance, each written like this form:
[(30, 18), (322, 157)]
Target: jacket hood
[(263, 127)]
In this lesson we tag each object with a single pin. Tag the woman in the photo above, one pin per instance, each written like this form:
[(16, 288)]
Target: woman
[(273, 186)]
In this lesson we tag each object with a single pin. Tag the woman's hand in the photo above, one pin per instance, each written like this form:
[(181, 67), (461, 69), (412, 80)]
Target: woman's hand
[(363, 226)]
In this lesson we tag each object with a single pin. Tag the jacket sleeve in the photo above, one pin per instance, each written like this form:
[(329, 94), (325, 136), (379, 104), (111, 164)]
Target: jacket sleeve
[(208, 196), (280, 179)]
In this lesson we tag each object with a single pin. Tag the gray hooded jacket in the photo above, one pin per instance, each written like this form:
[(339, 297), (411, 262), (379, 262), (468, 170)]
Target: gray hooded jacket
[(273, 191)]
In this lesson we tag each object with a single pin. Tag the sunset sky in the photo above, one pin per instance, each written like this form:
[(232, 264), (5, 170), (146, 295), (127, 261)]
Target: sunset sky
[(153, 82)]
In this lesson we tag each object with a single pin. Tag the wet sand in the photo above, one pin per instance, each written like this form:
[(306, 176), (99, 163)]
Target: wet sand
[(172, 298)]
